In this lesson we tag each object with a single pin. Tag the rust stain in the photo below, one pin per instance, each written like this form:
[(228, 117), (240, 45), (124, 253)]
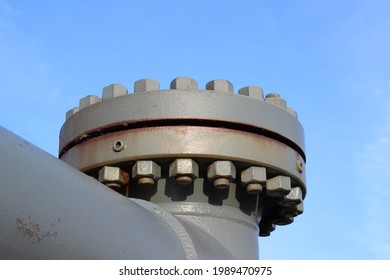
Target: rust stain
[(51, 234), (32, 230)]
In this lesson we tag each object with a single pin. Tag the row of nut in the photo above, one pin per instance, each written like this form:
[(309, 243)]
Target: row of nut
[(289, 201), (183, 83)]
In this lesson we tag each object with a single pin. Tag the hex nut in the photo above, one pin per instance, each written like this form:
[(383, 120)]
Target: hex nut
[(185, 170), (146, 85), (221, 168), (282, 220), (253, 92), (113, 90), (220, 85), (292, 112), (254, 174), (276, 100), (184, 83), (300, 208), (254, 178), (113, 177), (278, 186), (288, 212), (294, 197), (265, 228), (221, 173), (88, 100), (146, 172), (300, 166), (71, 112), (292, 211)]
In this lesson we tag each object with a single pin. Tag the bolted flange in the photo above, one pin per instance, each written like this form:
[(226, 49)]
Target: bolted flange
[(198, 138)]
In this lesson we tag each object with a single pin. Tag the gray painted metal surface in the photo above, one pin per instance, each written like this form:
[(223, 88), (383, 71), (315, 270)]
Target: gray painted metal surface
[(198, 174), (228, 139), (49, 210), (182, 105)]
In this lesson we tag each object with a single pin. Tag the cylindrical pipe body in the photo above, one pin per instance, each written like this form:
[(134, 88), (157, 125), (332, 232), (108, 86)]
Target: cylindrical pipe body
[(218, 232), (49, 210)]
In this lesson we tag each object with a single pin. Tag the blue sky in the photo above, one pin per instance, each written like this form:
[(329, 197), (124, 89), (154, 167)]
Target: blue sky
[(329, 59)]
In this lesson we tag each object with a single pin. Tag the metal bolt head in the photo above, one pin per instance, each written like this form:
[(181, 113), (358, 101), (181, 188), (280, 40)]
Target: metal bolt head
[(113, 177), (71, 112), (292, 211), (184, 170), (253, 92), (221, 173), (300, 166), (276, 100), (88, 100), (266, 228), (282, 220), (278, 186), (146, 85), (300, 208), (220, 85), (266, 231), (254, 178), (184, 83), (294, 197), (254, 174), (146, 171), (292, 112), (113, 90)]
